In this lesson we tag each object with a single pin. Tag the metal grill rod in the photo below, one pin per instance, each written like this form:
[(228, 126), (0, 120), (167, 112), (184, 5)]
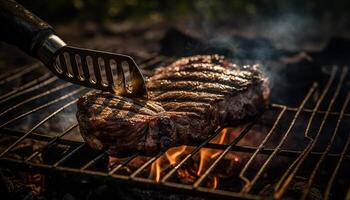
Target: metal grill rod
[(116, 168), (154, 158), (340, 160), (18, 73), (60, 87), (248, 187), (51, 142), (261, 147), (294, 167), (30, 84), (38, 86), (42, 106), (318, 103), (239, 148), (315, 170), (188, 156), (234, 142), (63, 159), (105, 153), (309, 110), (329, 145), (37, 136), (265, 151), (35, 127)]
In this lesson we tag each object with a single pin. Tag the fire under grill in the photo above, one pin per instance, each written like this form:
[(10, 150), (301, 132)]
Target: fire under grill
[(290, 151)]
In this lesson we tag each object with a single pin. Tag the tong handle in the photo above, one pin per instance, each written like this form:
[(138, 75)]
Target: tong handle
[(20, 27)]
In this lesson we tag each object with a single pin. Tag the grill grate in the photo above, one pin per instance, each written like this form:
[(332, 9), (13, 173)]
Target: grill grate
[(35, 96)]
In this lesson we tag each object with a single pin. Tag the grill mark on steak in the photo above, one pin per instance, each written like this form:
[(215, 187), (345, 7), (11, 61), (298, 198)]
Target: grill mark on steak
[(161, 86), (194, 107), (228, 80), (121, 106), (208, 67), (184, 96), (212, 69), (145, 107)]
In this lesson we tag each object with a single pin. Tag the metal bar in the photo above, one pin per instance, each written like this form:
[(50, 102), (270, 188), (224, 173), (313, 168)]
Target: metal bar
[(179, 188), (146, 164), (309, 110), (238, 148), (335, 172), (12, 71), (37, 136), (248, 187), (50, 143), (284, 182), (173, 170), (35, 127), (62, 86), (42, 106), (68, 155), (32, 83), (123, 163), (93, 161), (211, 167), (261, 147), (328, 148), (40, 85), (347, 197), (267, 151), (314, 111), (16, 74)]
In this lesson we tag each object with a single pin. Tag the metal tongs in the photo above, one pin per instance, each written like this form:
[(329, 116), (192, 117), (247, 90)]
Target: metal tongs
[(110, 72)]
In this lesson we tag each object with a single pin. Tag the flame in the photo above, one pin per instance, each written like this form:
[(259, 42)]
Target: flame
[(164, 162), (223, 136), (210, 154), (173, 153), (206, 157), (156, 170), (215, 182)]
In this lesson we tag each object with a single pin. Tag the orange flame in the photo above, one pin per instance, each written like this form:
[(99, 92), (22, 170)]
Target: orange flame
[(215, 182), (206, 157), (173, 153), (206, 154), (164, 162), (156, 170)]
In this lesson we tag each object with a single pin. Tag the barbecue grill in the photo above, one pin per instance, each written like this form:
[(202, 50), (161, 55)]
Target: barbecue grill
[(309, 142)]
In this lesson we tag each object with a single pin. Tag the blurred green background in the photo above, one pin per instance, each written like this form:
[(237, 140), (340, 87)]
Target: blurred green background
[(103, 10)]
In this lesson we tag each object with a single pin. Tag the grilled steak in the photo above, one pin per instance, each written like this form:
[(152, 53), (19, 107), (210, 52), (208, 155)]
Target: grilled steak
[(187, 101)]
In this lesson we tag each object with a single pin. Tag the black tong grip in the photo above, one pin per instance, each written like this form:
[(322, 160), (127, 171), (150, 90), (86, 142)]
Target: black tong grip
[(20, 27)]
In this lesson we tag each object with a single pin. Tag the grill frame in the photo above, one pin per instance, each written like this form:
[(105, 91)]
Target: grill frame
[(194, 189)]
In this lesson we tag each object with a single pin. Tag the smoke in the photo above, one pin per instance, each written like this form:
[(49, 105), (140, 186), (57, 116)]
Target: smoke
[(289, 30)]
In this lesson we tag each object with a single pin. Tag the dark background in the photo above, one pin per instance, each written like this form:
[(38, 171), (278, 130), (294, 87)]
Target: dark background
[(103, 10), (285, 36)]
